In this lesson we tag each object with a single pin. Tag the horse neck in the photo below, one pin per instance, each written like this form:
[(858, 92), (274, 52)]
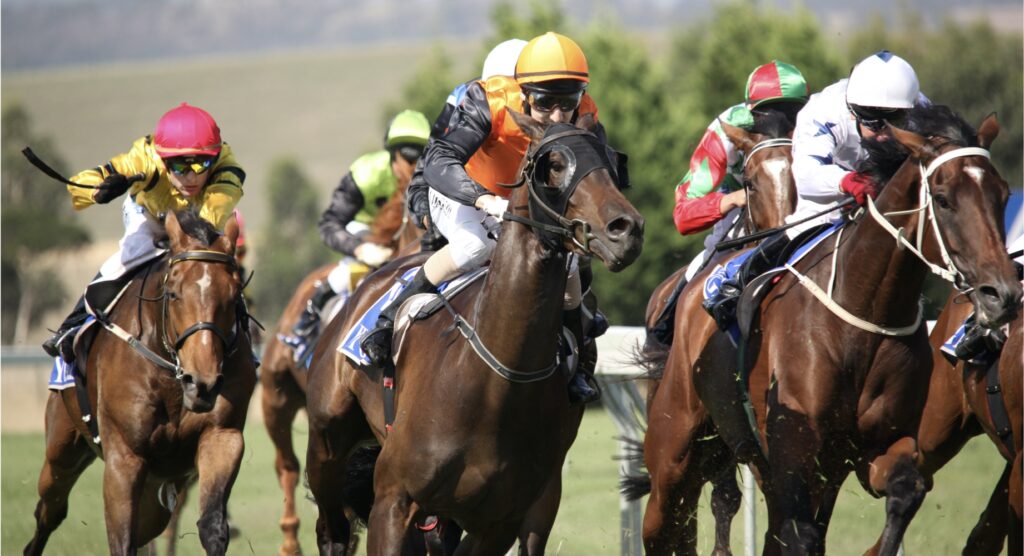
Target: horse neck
[(519, 310), (878, 280)]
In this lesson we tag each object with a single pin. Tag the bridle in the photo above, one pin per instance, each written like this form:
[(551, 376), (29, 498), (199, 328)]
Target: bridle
[(765, 144)]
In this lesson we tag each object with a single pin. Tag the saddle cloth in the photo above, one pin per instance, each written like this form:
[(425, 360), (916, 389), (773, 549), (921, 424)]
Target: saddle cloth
[(416, 308), (62, 374)]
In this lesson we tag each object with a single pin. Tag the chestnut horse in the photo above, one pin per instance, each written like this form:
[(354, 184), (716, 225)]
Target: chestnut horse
[(958, 409), (838, 389), (169, 405), (283, 380), (771, 197), (480, 442)]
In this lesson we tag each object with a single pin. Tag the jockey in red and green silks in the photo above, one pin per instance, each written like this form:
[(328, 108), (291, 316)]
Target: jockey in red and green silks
[(711, 192)]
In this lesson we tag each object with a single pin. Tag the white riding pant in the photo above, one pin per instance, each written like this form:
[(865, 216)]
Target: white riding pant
[(472, 235), (137, 246)]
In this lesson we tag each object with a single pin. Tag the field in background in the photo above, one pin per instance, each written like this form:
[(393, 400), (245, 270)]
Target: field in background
[(587, 522)]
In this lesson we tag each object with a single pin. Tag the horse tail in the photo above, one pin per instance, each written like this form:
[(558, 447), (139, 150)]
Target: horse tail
[(634, 487), (652, 358), (357, 491)]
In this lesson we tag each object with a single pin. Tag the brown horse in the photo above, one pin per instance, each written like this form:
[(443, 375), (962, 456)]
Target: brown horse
[(479, 441), (771, 197), (283, 380), (958, 409), (831, 396), (169, 409)]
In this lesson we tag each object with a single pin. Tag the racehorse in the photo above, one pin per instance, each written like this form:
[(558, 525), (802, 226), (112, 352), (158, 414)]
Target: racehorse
[(170, 399), (478, 441), (771, 197), (959, 408), (283, 380), (832, 393)]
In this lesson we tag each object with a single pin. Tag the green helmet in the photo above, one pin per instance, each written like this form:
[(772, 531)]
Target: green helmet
[(408, 127)]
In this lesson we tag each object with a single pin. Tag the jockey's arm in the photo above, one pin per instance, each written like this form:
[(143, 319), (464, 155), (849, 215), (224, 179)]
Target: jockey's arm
[(133, 162), (815, 169), (698, 197), (346, 202), (445, 159)]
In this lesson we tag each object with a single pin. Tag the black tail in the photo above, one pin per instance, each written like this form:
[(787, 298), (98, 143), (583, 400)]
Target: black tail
[(358, 489), (634, 487), (651, 357)]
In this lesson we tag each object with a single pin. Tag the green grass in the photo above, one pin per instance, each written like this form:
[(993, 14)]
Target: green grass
[(587, 522)]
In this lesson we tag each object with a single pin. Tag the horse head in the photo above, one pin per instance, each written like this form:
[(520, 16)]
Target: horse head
[(964, 198), (767, 170), (201, 293), (573, 182)]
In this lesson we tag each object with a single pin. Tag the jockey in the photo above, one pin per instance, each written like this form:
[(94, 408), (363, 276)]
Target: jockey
[(711, 193), (501, 60), (369, 183), (881, 89), (482, 148), (183, 165)]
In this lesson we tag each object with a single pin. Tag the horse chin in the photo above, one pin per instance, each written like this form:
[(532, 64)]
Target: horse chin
[(197, 402), (614, 259)]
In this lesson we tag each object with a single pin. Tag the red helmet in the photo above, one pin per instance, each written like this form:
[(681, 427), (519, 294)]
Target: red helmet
[(187, 131)]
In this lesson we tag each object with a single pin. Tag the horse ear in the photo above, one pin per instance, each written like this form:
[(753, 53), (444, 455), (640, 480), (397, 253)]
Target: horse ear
[(740, 137), (988, 131), (917, 144), (532, 128), (230, 237), (587, 122), (174, 231)]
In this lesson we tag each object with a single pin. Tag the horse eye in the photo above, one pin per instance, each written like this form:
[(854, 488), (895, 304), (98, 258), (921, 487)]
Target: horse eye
[(171, 295), (942, 201)]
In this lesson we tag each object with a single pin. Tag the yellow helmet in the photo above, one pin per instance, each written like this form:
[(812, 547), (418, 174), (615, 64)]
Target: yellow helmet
[(552, 57)]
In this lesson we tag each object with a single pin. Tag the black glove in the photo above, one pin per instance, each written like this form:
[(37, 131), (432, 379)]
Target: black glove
[(420, 208), (113, 186)]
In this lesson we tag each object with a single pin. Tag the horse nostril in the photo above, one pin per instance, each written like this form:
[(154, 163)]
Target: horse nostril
[(187, 379), (619, 227)]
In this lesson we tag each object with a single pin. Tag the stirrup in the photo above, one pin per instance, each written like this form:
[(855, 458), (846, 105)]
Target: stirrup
[(376, 345)]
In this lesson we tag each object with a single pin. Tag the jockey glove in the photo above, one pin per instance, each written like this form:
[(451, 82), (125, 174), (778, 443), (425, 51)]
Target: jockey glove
[(113, 186), (861, 186), (493, 205), (373, 255)]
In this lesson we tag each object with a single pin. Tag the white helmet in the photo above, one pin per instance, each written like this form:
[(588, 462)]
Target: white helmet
[(501, 60), (883, 80)]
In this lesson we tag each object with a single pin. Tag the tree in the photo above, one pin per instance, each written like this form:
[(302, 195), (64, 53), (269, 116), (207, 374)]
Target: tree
[(290, 247), (36, 221)]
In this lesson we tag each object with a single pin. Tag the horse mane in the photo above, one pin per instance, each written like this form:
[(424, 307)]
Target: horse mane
[(772, 124), (936, 120), (196, 227)]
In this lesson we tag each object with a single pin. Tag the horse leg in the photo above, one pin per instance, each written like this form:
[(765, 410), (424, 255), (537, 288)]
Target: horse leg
[(793, 468), (497, 540), (390, 522), (124, 477), (281, 400), (154, 513), (1015, 540), (725, 502), (67, 456), (540, 518), (170, 533), (895, 475), (993, 523), (218, 458)]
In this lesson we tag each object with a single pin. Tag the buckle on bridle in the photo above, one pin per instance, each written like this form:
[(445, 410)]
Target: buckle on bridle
[(585, 228)]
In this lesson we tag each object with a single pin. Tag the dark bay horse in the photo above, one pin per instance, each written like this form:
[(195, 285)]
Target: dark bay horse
[(477, 443), (832, 394), (958, 408), (771, 197), (283, 380), (157, 429)]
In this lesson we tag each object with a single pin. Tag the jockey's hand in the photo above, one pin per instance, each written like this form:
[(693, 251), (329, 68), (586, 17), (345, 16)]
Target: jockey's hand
[(732, 200), (113, 186), (492, 205), (861, 186), (373, 255)]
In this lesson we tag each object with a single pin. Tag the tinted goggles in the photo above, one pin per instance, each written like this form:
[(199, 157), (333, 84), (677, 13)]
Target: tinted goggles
[(410, 153), (875, 119), (181, 165), (546, 102)]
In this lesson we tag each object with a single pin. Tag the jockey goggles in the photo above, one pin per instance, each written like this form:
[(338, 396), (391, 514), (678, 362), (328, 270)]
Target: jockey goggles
[(546, 102), (876, 118), (181, 165)]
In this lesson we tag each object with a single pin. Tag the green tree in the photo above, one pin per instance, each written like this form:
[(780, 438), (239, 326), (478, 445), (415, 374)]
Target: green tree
[(290, 247), (36, 222)]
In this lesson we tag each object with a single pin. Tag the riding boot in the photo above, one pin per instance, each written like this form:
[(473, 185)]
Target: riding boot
[(582, 386), (979, 344), (377, 343), (62, 342), (722, 307), (309, 320)]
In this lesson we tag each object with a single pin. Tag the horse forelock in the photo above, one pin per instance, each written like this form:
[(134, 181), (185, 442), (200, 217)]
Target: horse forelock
[(197, 228), (938, 120), (772, 124)]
